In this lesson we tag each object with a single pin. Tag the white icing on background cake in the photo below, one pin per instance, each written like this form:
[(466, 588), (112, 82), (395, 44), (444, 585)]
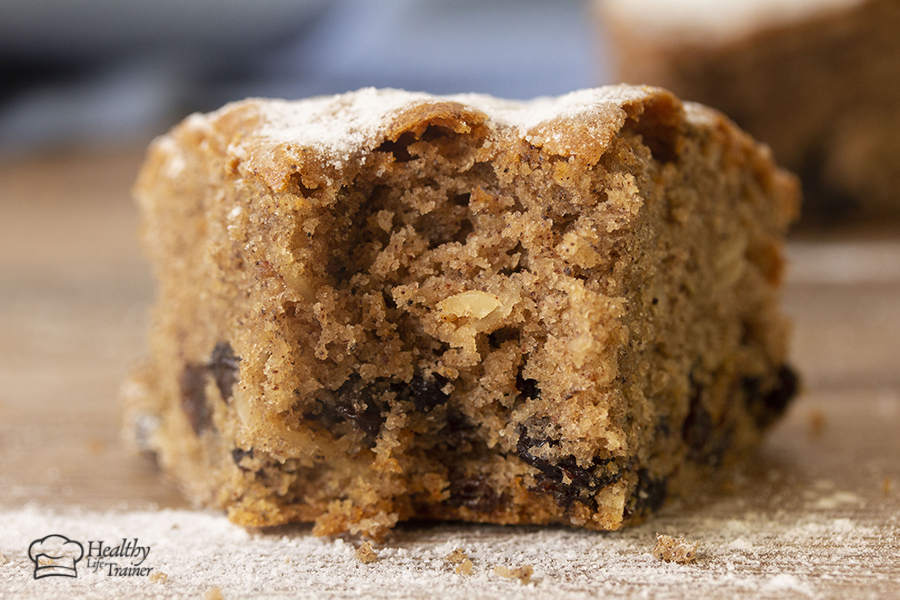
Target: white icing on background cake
[(713, 20)]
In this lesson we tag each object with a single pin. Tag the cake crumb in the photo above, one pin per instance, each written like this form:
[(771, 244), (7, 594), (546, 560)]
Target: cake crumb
[(213, 594), (464, 568), (158, 577), (3, 559), (456, 557), (676, 550), (886, 485), (366, 554), (523, 573), (817, 423)]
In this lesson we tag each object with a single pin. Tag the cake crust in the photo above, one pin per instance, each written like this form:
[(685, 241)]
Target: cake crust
[(383, 305)]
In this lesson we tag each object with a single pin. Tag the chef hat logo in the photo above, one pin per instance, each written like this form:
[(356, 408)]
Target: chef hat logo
[(55, 555)]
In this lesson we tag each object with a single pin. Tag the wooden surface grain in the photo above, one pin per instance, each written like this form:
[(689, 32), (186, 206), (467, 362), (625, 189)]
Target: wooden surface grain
[(819, 504)]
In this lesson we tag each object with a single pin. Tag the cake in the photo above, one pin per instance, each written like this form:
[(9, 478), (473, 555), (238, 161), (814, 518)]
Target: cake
[(383, 306), (817, 80)]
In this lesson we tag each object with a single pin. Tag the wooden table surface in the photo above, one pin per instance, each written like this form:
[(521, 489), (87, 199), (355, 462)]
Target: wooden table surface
[(816, 514)]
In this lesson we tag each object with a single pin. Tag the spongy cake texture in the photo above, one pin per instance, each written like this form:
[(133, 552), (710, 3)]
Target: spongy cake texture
[(382, 305)]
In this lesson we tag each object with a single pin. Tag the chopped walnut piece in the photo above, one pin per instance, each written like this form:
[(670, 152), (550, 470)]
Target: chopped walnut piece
[(473, 304)]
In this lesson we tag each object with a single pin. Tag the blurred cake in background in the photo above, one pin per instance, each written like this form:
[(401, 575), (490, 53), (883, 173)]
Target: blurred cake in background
[(818, 80)]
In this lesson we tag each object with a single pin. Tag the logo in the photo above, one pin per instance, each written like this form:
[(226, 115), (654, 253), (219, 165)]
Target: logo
[(55, 556)]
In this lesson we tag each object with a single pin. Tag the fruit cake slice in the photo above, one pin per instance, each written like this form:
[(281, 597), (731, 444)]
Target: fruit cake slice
[(384, 305)]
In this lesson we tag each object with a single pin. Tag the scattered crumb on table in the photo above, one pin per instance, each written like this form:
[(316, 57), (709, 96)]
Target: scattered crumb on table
[(3, 559), (676, 550), (456, 557), (886, 485), (365, 553), (213, 594), (464, 568), (158, 577), (522, 573), (96, 446), (817, 422)]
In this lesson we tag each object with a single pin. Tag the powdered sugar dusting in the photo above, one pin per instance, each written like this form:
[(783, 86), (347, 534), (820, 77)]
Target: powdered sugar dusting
[(340, 126), (755, 556), (335, 125)]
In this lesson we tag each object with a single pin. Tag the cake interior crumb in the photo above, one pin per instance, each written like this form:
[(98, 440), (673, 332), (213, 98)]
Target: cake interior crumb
[(677, 550)]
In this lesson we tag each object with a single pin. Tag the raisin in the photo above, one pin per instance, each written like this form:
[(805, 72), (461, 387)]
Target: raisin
[(553, 474), (767, 406), (581, 477), (663, 429), (564, 495), (698, 430), (223, 364), (425, 394), (475, 493), (457, 428), (355, 401), (787, 387), (649, 495), (707, 441), (193, 397)]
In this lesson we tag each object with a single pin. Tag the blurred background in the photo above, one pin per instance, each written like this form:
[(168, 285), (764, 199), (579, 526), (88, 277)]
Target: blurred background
[(101, 71)]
